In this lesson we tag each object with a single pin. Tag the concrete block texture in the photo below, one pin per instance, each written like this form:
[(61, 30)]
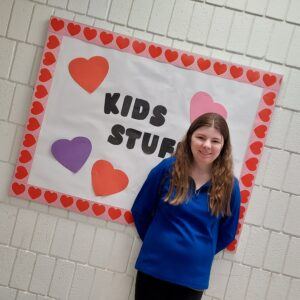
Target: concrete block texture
[(293, 15), (257, 7), (7, 47), (20, 20), (277, 9), (119, 11), (291, 97), (278, 287), (291, 181), (22, 270), (200, 23), (220, 28), (24, 228), (7, 258), (259, 38), (292, 142), (239, 32), (256, 247), (64, 234), (7, 91), (62, 279), (22, 65), (236, 4), (5, 12), (238, 282), (160, 16), (42, 274), (292, 223), (293, 54), (276, 210), (292, 260), (140, 13), (258, 284), (180, 20), (79, 6), (8, 216)]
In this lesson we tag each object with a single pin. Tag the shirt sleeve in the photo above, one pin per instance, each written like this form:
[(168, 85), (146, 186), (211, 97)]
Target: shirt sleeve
[(228, 225), (146, 202)]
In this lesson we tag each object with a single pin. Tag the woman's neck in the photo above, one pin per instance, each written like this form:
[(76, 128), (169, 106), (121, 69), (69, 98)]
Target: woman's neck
[(201, 170), (200, 175)]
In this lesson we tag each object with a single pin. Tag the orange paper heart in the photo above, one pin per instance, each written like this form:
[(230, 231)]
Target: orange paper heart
[(89, 73), (106, 180)]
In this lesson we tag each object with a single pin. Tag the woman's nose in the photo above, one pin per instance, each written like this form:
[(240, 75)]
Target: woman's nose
[(207, 144)]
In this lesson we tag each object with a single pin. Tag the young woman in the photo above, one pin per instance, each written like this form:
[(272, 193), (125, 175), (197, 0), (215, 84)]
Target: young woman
[(186, 212)]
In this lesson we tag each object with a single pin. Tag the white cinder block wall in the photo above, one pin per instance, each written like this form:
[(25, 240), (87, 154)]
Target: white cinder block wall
[(48, 253)]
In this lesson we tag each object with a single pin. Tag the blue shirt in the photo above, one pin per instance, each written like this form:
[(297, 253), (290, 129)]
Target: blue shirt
[(179, 242)]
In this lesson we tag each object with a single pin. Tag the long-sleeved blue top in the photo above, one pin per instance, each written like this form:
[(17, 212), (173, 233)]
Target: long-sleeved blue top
[(179, 242)]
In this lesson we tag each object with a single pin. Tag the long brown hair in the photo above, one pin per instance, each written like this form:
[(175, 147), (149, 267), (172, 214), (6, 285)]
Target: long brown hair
[(221, 173)]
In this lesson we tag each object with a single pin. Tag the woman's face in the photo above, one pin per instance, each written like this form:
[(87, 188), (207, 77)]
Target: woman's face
[(206, 145)]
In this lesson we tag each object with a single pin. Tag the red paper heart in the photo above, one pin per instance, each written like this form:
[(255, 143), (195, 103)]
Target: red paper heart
[(34, 192), (128, 217), (53, 42), (252, 75), (232, 245), (45, 75), (82, 205), (269, 79), (220, 68), (25, 157), (73, 28), (155, 51), (98, 209), (37, 108), (260, 131), (269, 98), (21, 172), (106, 180), (265, 114), (18, 188), (245, 196), (40, 92), (247, 180), (138, 47), (203, 64), (57, 24), (33, 124), (251, 163), (50, 196), (171, 55), (49, 59), (242, 212), (89, 73), (122, 42), (114, 213), (236, 72), (106, 38), (187, 60), (29, 140), (256, 147), (66, 201), (89, 33)]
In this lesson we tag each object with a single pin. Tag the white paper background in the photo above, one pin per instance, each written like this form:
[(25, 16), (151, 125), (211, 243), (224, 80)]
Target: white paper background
[(71, 112)]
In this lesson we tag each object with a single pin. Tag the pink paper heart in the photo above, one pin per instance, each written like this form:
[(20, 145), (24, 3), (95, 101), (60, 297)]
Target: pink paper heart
[(202, 103)]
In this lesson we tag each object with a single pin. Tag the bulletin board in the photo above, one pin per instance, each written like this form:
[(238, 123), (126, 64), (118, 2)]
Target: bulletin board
[(106, 108)]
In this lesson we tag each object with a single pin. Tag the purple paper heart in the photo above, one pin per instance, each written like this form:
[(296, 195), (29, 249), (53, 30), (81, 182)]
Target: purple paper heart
[(72, 154)]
